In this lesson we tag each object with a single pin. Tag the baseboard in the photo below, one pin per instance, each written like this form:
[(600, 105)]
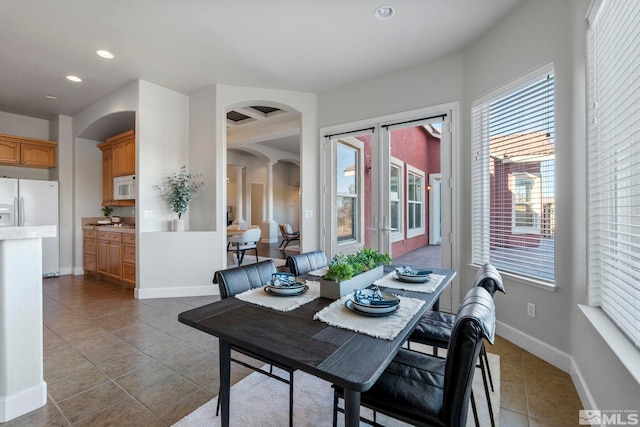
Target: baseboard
[(25, 401), (544, 351), (78, 271), (588, 402), (176, 292), (66, 271)]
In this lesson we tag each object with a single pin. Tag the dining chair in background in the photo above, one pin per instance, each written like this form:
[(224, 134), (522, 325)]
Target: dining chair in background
[(245, 241), (425, 390), (240, 279), (435, 327), (303, 263), (288, 235)]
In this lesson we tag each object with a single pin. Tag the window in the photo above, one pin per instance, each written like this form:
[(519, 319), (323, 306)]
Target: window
[(347, 173), (513, 185), (415, 202), (396, 198), (614, 181)]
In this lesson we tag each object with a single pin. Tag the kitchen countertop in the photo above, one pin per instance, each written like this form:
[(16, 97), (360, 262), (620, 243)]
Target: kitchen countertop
[(28, 232), (130, 229)]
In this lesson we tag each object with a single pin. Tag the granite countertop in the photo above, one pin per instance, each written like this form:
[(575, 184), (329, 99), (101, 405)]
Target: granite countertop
[(28, 232), (131, 229)]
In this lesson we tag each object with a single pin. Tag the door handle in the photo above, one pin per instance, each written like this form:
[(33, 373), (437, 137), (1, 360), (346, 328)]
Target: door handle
[(21, 212)]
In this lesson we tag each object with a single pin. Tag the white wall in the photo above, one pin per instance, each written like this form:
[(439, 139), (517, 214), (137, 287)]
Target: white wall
[(536, 33)]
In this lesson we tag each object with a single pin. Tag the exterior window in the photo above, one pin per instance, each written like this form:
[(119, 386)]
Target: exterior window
[(526, 203), (415, 202), (347, 173), (395, 198), (513, 178)]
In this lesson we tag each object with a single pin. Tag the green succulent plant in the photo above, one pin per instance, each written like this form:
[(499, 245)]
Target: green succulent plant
[(344, 267)]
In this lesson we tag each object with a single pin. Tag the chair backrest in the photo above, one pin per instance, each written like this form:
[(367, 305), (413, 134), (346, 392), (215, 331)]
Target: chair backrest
[(303, 263), (475, 320), (239, 279), (489, 278), (249, 236), (288, 229), (283, 231)]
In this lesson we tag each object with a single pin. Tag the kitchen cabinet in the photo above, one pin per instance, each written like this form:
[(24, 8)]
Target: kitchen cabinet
[(118, 159), (110, 254), (89, 250), (129, 258), (27, 152)]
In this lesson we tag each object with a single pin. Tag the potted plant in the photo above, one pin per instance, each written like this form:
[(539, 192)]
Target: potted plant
[(349, 272), (106, 211), (179, 190)]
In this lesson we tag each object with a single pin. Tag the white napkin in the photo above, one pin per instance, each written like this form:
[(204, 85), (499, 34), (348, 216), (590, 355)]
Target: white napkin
[(259, 297), (319, 272), (385, 327), (390, 281)]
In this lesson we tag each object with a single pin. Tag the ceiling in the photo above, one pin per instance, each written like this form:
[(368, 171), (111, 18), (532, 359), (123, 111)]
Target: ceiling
[(301, 45)]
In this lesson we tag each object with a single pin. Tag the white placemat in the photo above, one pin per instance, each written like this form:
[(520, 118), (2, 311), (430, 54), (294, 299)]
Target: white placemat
[(259, 297), (385, 327), (319, 272), (390, 281)]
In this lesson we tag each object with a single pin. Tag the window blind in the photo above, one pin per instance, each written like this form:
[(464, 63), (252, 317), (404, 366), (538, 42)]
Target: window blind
[(614, 156), (513, 168)]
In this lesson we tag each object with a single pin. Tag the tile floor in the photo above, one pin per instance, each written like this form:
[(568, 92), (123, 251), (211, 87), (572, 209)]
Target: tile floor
[(112, 360)]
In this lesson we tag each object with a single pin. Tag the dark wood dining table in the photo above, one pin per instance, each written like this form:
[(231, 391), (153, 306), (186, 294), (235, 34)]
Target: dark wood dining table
[(348, 359)]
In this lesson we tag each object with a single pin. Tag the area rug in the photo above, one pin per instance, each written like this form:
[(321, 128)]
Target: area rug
[(261, 401)]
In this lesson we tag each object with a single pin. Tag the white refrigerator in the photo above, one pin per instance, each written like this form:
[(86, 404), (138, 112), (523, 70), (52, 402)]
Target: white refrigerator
[(27, 202)]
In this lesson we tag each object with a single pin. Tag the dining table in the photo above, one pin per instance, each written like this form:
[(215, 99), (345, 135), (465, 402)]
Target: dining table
[(346, 358)]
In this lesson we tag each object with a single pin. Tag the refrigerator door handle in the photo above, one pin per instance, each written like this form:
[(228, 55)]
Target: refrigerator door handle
[(15, 221), (21, 212)]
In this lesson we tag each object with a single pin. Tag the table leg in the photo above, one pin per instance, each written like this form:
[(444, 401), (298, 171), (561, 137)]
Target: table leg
[(351, 408), (225, 381)]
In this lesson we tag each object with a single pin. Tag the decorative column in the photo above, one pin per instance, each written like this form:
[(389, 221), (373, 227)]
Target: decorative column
[(269, 227), (239, 220)]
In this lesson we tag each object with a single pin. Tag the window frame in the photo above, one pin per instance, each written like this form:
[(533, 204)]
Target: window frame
[(417, 231), (358, 225), (397, 234)]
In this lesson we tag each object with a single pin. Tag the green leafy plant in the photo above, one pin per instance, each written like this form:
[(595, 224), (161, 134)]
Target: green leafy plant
[(107, 210), (180, 189), (344, 267)]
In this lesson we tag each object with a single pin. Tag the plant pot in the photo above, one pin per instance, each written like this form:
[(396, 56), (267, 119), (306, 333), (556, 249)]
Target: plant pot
[(335, 290), (178, 225)]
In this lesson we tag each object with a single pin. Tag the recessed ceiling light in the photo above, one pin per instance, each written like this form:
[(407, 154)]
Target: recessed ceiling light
[(384, 12), (74, 79), (105, 54), (51, 96)]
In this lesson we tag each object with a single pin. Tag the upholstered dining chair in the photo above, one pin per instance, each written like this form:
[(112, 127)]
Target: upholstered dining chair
[(434, 329), (240, 279), (303, 263), (424, 390), (245, 241), (288, 235)]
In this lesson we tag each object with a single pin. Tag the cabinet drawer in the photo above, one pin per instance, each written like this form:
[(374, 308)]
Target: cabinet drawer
[(129, 253), (89, 246), (89, 234), (111, 237), (129, 273), (128, 238)]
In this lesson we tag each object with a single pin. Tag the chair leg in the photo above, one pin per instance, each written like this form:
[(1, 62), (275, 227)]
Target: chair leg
[(474, 410), (335, 408), (483, 352), (291, 399), (218, 404), (486, 392)]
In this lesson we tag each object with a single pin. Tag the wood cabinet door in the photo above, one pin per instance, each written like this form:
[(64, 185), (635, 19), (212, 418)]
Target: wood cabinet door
[(114, 268), (39, 156), (102, 248), (129, 156), (107, 176), (118, 159), (9, 152)]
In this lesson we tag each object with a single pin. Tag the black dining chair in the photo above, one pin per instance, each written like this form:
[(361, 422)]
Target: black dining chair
[(303, 263), (425, 390), (434, 329), (240, 279)]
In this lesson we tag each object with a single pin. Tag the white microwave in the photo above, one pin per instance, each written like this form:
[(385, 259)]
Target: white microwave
[(124, 187)]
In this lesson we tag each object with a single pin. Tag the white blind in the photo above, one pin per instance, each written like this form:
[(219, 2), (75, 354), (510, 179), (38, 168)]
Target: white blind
[(513, 186), (614, 162)]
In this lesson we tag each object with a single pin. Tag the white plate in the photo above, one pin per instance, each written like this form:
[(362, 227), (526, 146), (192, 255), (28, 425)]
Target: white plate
[(289, 290), (373, 311)]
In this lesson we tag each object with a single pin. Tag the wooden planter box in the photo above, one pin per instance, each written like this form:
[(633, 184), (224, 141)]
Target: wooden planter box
[(335, 290)]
